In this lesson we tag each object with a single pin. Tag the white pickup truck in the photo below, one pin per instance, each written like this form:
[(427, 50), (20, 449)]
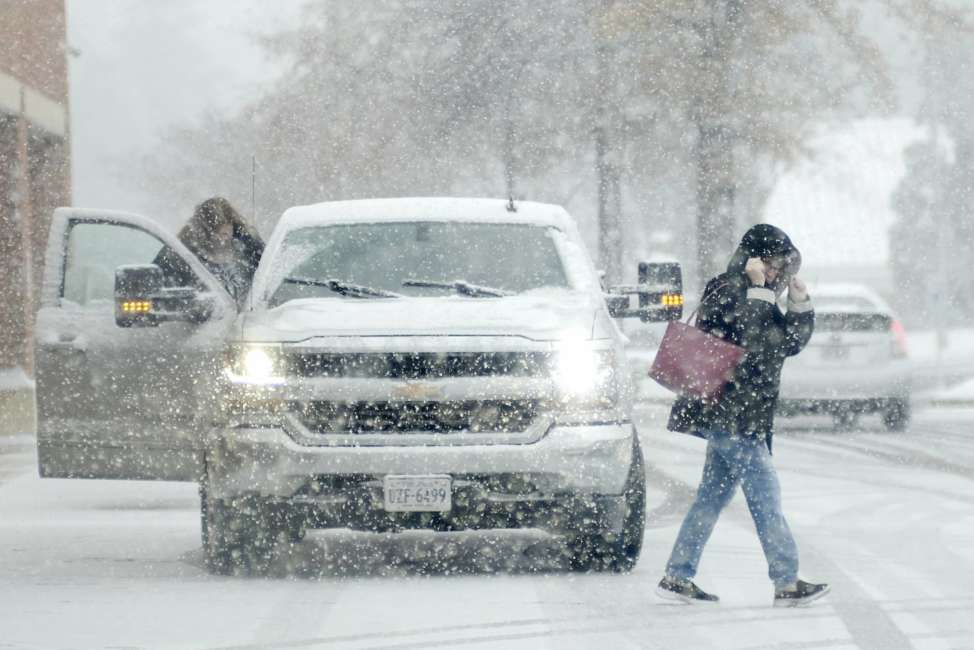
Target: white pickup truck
[(446, 364)]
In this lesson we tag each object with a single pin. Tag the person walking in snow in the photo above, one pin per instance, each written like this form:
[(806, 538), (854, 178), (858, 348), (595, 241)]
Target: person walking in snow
[(740, 305)]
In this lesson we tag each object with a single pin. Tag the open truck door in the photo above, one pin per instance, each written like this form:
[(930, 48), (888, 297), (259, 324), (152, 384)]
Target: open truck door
[(124, 390)]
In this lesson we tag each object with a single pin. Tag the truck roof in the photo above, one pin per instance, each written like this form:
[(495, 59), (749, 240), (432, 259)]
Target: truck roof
[(427, 209)]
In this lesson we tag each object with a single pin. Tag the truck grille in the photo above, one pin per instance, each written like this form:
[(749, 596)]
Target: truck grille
[(494, 416), (852, 322), (421, 365)]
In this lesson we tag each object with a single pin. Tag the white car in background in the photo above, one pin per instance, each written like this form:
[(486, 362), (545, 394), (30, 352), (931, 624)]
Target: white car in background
[(855, 363)]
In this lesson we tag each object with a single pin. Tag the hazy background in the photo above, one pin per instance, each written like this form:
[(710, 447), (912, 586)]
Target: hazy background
[(853, 137), (140, 67)]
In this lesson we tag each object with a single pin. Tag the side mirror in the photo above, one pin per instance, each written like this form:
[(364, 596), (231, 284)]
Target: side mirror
[(141, 300), (660, 294), (617, 303), (661, 297)]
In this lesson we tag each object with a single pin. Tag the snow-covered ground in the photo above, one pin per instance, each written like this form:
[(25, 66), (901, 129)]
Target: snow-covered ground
[(886, 518), (961, 393), (944, 372)]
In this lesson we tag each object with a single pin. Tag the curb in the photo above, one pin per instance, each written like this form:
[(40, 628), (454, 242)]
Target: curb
[(952, 403)]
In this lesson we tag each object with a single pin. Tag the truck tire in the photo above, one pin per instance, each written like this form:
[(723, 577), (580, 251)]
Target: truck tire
[(896, 417), (241, 534), (602, 550), (845, 419)]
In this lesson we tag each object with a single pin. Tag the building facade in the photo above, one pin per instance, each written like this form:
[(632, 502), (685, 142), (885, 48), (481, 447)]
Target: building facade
[(34, 161)]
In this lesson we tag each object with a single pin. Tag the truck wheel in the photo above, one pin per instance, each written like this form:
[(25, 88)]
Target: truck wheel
[(845, 419), (896, 417), (602, 550), (241, 534), (291, 522)]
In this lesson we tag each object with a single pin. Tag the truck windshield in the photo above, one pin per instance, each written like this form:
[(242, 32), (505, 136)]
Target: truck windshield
[(391, 257)]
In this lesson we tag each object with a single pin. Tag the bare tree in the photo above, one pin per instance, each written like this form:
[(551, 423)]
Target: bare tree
[(523, 98), (746, 79)]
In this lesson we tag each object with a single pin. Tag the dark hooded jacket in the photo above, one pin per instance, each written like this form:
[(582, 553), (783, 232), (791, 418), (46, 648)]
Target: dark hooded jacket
[(748, 316)]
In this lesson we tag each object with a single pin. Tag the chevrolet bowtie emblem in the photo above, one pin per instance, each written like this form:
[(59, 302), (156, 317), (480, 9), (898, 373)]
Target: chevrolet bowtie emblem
[(415, 390)]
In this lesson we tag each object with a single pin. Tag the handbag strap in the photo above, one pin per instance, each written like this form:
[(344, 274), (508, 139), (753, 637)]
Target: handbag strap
[(705, 298)]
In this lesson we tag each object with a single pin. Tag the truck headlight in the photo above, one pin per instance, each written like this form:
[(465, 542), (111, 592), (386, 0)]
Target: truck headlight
[(259, 365), (585, 376)]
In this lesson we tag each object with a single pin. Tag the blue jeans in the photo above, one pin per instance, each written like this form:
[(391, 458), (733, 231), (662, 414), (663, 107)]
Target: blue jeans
[(733, 459)]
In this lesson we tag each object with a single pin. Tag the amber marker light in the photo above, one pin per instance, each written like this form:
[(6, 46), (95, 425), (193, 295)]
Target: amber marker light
[(672, 300), (137, 306)]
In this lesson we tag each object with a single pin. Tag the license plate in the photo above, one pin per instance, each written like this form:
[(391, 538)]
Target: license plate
[(417, 493)]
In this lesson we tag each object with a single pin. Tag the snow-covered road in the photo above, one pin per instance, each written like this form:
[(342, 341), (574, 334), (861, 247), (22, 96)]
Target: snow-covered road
[(888, 519)]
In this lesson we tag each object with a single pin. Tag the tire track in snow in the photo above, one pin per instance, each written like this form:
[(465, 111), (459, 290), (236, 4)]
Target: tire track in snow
[(489, 633), (893, 455), (918, 530), (835, 472)]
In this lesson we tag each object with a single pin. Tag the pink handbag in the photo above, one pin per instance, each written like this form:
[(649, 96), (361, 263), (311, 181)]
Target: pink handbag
[(693, 363)]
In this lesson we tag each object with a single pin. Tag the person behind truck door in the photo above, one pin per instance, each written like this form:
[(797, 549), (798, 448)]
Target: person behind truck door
[(223, 241)]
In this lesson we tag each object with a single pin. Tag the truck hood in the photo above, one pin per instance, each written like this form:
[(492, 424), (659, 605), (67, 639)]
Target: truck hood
[(547, 316)]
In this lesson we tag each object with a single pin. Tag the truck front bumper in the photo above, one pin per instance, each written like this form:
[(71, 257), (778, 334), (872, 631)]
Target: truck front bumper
[(266, 461)]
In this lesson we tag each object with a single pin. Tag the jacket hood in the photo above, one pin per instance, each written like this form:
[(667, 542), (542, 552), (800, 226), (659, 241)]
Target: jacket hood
[(765, 240)]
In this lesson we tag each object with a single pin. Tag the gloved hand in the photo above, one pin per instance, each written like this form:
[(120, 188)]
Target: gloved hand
[(755, 271), (797, 291)]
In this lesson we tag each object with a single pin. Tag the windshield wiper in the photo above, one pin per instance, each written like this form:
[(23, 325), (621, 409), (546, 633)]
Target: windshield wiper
[(461, 287), (345, 288)]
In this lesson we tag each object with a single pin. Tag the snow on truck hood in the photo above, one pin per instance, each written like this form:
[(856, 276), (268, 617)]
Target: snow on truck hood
[(548, 316)]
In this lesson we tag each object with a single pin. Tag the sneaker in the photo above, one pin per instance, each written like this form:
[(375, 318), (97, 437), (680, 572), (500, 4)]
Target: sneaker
[(683, 591), (801, 594)]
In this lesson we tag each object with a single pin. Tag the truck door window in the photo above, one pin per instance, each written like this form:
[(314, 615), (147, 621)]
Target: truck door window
[(94, 251)]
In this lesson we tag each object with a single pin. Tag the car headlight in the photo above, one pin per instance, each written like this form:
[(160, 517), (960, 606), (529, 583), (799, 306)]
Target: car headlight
[(259, 365), (585, 376)]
